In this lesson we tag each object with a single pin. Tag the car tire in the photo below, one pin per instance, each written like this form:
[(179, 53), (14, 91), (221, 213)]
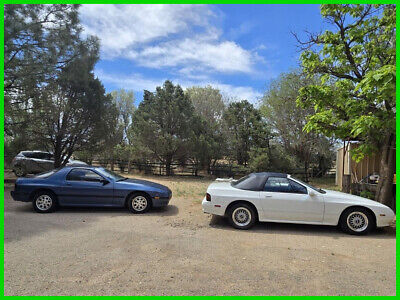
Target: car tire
[(19, 171), (139, 203), (242, 216), (357, 221), (44, 202)]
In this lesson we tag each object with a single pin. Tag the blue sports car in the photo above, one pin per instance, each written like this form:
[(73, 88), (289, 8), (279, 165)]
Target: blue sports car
[(89, 186)]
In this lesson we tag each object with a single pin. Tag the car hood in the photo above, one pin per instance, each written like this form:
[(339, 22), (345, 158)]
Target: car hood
[(344, 197), (140, 182)]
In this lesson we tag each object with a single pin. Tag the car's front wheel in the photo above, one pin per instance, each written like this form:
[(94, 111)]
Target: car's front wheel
[(44, 202), (242, 216), (139, 203), (357, 220)]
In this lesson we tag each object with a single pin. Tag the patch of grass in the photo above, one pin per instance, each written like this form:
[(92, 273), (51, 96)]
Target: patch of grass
[(191, 188), (325, 183), (194, 189)]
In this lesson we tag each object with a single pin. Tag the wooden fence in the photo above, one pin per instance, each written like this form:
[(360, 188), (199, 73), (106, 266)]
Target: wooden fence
[(188, 169)]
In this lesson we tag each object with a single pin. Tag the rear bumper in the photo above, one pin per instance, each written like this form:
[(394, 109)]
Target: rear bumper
[(211, 208), (20, 196)]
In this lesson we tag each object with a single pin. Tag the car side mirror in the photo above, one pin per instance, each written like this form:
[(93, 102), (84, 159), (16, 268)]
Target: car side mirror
[(104, 181), (311, 193)]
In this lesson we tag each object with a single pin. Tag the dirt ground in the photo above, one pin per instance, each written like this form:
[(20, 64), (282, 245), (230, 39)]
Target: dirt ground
[(181, 251)]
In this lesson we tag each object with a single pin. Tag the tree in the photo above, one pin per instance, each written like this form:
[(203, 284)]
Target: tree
[(123, 147), (207, 102), (163, 123), (288, 120), (245, 126), (208, 140), (77, 115), (39, 42), (50, 90), (355, 99), (125, 102)]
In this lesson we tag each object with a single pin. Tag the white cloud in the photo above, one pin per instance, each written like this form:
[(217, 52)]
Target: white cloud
[(237, 93), (130, 25), (166, 36), (138, 83), (226, 57)]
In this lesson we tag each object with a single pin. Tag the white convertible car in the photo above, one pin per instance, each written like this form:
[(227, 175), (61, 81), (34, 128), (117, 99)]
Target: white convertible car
[(276, 197)]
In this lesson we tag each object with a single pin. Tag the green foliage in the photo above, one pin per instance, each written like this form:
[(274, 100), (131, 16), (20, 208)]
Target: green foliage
[(276, 159), (207, 102), (39, 42), (51, 94), (367, 194), (355, 99), (125, 103), (245, 129), (77, 115), (163, 123), (288, 120), (208, 140)]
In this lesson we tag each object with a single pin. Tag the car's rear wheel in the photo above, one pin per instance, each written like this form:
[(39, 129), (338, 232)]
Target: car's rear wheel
[(357, 221), (19, 171), (44, 202), (242, 216), (139, 203)]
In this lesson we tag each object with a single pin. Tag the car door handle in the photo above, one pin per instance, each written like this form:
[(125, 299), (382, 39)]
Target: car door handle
[(267, 196), (67, 183)]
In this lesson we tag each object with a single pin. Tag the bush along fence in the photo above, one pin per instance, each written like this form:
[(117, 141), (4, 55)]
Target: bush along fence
[(189, 169)]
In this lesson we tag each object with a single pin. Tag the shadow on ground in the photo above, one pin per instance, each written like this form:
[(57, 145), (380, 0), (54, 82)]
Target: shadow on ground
[(222, 223), (21, 221)]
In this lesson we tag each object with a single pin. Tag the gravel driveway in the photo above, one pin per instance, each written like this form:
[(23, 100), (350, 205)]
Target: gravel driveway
[(181, 251)]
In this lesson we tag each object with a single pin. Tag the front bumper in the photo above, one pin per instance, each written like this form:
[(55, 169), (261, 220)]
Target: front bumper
[(20, 196), (211, 208), (160, 202), (386, 220)]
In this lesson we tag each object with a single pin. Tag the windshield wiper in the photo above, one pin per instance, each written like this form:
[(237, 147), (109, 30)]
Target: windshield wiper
[(122, 179)]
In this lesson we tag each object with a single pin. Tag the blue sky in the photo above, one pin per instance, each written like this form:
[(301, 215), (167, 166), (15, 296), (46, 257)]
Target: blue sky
[(236, 48)]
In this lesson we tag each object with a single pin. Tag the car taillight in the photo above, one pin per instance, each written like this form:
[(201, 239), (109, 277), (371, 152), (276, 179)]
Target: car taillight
[(208, 197)]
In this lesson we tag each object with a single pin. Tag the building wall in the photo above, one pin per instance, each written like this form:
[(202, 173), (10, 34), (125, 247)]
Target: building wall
[(369, 165)]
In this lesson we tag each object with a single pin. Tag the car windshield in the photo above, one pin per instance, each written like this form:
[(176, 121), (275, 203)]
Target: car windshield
[(319, 190), (110, 174), (46, 174)]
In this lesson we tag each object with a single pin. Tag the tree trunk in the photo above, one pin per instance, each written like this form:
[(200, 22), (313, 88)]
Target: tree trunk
[(168, 162), (306, 171), (129, 164), (346, 183), (57, 152), (386, 171)]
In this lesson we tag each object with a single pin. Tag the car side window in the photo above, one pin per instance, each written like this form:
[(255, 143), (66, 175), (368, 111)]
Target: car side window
[(29, 154), (297, 187), (277, 184), (42, 155), (83, 175)]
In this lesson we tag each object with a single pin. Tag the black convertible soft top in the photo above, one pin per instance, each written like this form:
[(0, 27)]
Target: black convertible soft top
[(255, 181)]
